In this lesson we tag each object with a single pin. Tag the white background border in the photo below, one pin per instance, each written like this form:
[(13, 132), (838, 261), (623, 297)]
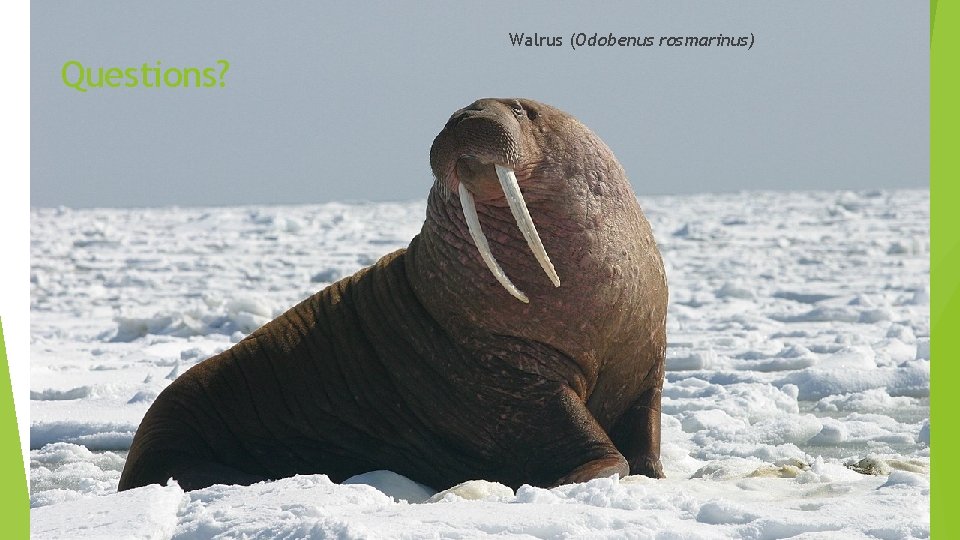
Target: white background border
[(15, 203)]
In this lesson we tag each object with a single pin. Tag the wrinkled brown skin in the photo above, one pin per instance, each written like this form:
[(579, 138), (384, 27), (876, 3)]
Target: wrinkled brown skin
[(424, 365)]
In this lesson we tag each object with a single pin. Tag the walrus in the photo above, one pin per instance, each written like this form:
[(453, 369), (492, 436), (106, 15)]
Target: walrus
[(492, 347)]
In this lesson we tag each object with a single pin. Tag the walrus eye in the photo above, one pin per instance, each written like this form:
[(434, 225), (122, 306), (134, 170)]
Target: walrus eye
[(517, 109), (532, 114)]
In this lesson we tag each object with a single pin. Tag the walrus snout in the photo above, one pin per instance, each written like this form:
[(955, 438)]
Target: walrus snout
[(486, 130)]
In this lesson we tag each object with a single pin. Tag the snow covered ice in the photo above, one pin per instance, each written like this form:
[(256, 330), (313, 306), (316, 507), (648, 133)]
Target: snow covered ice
[(796, 401)]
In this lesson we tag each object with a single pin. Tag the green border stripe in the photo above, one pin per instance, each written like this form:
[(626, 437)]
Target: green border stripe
[(15, 503), (944, 263)]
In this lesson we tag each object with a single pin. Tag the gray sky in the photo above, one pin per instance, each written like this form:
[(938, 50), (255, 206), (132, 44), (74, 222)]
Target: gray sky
[(336, 101)]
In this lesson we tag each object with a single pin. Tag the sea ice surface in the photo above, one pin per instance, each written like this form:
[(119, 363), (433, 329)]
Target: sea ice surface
[(796, 401)]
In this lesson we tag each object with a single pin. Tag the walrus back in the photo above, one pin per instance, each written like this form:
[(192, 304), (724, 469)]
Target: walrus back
[(313, 391)]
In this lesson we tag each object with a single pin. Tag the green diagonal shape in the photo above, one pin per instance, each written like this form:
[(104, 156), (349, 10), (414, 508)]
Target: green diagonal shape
[(15, 504)]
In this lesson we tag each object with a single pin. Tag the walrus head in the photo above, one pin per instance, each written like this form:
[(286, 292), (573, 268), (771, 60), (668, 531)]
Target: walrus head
[(586, 269), (480, 154)]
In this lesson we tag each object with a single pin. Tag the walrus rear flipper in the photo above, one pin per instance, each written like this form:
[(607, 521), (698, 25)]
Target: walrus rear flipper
[(201, 475), (637, 432), (190, 473), (637, 435)]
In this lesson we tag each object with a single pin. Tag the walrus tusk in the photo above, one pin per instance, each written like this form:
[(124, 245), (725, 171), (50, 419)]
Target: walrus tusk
[(473, 224), (508, 180)]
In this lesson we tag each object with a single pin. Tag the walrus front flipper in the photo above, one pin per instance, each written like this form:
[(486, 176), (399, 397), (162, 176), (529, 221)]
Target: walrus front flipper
[(578, 448)]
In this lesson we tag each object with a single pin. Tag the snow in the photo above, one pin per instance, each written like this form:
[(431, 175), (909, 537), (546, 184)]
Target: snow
[(796, 401)]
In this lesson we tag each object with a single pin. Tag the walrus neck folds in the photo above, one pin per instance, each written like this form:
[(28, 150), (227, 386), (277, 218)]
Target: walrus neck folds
[(455, 284), (449, 246)]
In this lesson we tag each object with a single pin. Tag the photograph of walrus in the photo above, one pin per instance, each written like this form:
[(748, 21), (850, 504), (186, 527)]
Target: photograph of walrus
[(630, 273)]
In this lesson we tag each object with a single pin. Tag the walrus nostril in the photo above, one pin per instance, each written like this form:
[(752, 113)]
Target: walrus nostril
[(460, 116), (453, 122), (467, 112)]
